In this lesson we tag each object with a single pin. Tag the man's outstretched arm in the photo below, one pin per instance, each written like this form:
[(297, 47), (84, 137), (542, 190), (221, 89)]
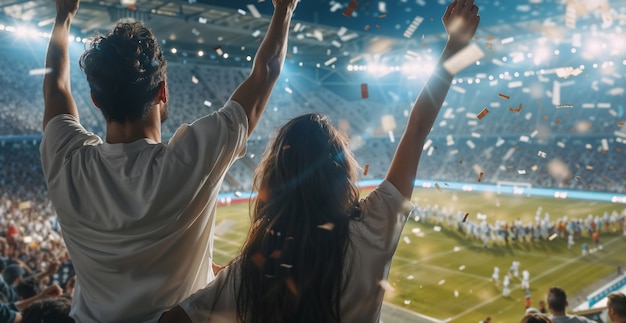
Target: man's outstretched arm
[(255, 91), (57, 94)]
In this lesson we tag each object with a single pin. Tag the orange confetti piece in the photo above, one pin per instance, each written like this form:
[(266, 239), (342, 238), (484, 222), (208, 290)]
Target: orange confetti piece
[(285, 147), (367, 168), (518, 110), (367, 27), (504, 96), (377, 26), (490, 38), (489, 46), (480, 177), (620, 124), (364, 91), (438, 187), (350, 9), (557, 121), (382, 15), (482, 114)]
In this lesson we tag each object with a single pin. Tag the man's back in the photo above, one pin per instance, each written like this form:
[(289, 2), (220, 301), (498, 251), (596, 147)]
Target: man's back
[(138, 218)]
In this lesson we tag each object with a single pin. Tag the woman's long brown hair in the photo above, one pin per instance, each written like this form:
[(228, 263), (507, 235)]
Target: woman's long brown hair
[(291, 266)]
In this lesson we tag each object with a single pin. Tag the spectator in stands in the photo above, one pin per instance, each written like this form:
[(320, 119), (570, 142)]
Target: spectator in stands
[(13, 275), (56, 310), (28, 288), (132, 209), (616, 306), (314, 252), (536, 318), (10, 312), (557, 302)]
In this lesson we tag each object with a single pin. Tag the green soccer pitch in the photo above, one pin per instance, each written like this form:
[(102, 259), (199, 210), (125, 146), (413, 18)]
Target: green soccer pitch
[(444, 275)]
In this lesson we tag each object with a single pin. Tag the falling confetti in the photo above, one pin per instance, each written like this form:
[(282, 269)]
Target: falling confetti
[(504, 96), (438, 187), (367, 168), (482, 114), (465, 217), (350, 9), (329, 226), (364, 91), (517, 110)]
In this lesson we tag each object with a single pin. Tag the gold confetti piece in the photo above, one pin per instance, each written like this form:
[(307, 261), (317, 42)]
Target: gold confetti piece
[(620, 124), (518, 110), (489, 46), (552, 237), (382, 15), (377, 26), (367, 27), (557, 121), (367, 168), (545, 117), (480, 177), (482, 114), (285, 147), (564, 106), (465, 217), (329, 226), (490, 38), (504, 96), (438, 187)]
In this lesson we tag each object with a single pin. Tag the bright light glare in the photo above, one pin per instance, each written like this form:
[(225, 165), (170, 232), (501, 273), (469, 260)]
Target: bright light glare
[(540, 55)]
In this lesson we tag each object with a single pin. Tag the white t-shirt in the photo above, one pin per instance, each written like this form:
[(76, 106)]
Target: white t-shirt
[(138, 218), (373, 243)]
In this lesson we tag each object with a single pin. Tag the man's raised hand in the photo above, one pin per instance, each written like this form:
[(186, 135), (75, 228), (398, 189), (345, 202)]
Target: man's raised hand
[(289, 4), (66, 8), (461, 21)]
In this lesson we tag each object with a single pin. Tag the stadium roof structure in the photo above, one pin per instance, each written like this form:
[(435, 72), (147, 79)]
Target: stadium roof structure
[(323, 34), (324, 30)]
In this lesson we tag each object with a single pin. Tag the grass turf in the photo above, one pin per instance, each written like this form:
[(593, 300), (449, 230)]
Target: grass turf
[(426, 275)]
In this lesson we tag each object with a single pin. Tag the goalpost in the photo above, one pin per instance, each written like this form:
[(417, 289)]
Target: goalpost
[(516, 188)]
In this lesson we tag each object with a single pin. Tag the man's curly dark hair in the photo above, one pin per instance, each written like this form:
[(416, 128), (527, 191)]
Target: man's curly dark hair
[(124, 70)]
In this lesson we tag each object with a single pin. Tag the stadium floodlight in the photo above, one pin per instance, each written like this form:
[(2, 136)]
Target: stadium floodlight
[(23, 31), (200, 53), (174, 50)]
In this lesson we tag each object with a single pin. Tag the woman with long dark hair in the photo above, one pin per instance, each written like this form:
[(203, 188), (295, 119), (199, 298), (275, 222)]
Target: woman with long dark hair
[(314, 251)]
